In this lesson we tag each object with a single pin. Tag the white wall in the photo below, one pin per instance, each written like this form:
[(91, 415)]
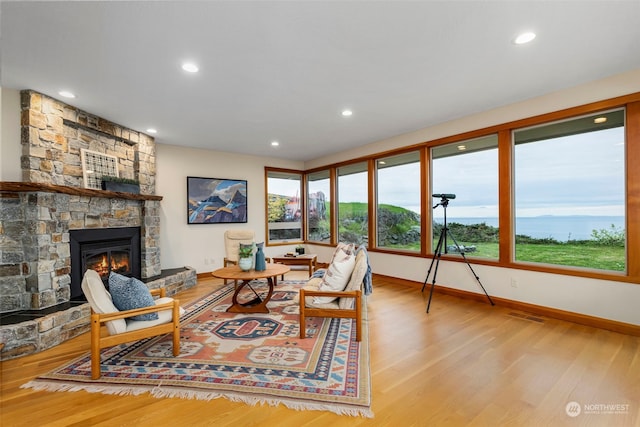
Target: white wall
[(10, 147), (196, 245), (600, 298)]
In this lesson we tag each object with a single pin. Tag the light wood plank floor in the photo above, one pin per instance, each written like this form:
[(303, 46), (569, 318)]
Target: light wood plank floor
[(465, 363)]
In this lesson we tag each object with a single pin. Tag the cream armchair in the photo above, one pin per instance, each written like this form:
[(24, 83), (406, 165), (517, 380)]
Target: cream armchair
[(103, 311), (232, 240)]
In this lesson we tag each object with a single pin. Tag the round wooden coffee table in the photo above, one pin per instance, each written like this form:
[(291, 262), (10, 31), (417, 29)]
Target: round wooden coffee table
[(257, 304)]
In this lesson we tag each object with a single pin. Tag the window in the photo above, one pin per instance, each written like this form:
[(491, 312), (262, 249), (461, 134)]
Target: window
[(284, 208), (353, 205), (570, 192), (398, 201), (318, 207), (468, 170)]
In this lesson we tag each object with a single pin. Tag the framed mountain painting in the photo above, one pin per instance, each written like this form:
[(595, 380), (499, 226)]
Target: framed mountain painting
[(216, 200)]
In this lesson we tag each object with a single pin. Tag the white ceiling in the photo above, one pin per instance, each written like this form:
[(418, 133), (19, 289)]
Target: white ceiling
[(283, 70)]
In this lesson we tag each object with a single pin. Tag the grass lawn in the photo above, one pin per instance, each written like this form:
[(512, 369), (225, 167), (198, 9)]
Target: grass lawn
[(582, 255), (589, 256)]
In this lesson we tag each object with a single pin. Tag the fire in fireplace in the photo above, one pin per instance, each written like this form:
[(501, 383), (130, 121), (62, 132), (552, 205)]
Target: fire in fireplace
[(103, 250), (107, 260)]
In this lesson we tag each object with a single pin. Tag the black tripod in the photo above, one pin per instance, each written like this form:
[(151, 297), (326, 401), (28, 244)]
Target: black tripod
[(442, 241)]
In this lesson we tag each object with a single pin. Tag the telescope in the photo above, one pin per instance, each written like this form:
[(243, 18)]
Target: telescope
[(445, 196)]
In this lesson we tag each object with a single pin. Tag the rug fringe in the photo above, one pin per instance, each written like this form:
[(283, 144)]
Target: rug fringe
[(168, 392), (42, 385), (253, 401)]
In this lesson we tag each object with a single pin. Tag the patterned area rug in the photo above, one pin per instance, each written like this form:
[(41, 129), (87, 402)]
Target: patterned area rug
[(253, 358)]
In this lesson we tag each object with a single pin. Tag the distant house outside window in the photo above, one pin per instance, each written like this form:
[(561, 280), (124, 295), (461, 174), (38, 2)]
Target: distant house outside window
[(284, 206), (319, 207)]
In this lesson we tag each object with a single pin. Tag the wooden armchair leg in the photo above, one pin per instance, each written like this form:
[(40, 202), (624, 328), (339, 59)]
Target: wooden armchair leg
[(95, 347), (358, 303), (303, 328), (176, 328), (303, 322)]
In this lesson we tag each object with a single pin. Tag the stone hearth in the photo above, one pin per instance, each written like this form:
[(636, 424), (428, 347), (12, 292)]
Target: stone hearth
[(38, 330)]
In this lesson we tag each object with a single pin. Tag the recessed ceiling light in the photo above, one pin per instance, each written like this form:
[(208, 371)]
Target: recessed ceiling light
[(599, 120), (190, 67), (66, 94), (524, 38), (152, 130), (462, 147), (275, 143), (347, 113)]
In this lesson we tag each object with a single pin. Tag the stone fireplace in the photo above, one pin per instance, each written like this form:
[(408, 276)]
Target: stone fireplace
[(41, 216)]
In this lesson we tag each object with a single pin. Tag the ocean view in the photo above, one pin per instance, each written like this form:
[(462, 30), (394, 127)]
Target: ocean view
[(561, 228)]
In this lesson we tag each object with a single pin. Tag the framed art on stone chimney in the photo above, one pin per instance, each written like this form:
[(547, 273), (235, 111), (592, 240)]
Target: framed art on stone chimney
[(215, 200), (96, 165)]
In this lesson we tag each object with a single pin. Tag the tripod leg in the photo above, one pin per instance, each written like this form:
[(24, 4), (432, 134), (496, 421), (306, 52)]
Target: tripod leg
[(433, 260), (469, 265), (436, 258), (433, 284)]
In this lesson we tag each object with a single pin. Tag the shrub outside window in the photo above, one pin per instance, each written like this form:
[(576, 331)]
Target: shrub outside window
[(353, 204), (398, 201)]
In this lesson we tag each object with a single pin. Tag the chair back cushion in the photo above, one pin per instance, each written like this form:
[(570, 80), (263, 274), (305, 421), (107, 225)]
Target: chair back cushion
[(355, 282), (232, 240), (342, 248), (100, 300), (314, 285), (338, 273)]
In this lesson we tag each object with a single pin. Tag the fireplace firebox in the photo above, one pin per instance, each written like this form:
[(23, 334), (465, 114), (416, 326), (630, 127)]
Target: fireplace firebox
[(103, 250)]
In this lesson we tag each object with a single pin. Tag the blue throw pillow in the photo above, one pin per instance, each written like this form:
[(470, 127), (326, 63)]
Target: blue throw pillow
[(129, 293), (319, 273)]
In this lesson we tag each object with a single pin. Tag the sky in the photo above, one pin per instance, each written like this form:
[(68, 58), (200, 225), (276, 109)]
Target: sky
[(584, 175), (203, 188)]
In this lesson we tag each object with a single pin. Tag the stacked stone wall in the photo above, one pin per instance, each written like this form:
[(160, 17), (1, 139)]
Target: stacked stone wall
[(13, 267), (35, 245), (54, 134), (150, 238)]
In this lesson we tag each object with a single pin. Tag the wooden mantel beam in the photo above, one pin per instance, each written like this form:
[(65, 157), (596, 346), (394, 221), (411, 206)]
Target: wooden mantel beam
[(21, 187)]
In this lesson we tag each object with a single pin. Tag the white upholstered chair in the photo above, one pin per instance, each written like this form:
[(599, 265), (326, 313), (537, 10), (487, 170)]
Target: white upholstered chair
[(347, 305), (103, 311), (232, 240)]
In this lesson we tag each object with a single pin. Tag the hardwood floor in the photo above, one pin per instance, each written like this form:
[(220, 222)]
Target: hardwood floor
[(465, 363)]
